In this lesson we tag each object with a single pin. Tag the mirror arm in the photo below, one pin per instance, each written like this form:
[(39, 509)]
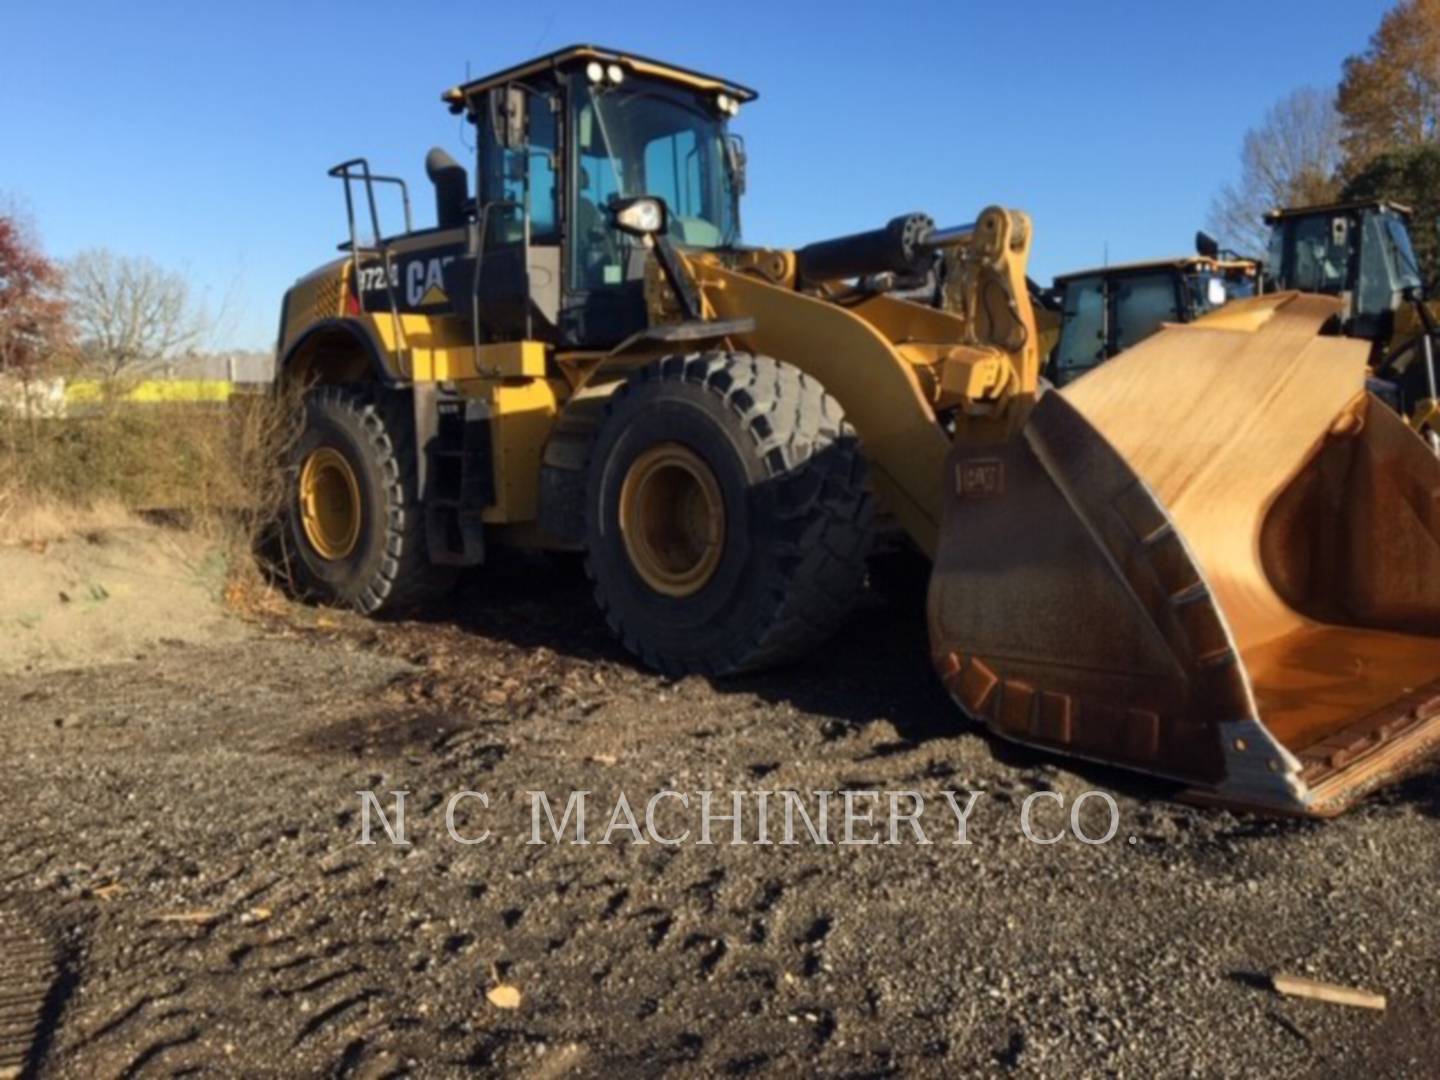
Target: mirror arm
[(677, 277)]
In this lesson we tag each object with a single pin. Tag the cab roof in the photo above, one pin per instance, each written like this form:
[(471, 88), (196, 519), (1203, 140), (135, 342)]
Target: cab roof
[(456, 96), (1180, 263), (1283, 213)]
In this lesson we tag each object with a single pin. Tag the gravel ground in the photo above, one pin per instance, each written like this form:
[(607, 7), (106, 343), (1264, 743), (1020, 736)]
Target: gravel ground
[(181, 829)]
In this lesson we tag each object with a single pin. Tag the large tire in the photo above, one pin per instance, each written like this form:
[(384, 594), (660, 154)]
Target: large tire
[(796, 523), (359, 441)]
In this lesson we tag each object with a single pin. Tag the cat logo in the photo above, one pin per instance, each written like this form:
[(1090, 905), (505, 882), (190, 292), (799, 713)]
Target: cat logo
[(425, 281)]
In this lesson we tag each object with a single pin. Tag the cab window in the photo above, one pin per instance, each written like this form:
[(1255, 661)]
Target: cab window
[(1209, 291), (1378, 284), (643, 139), (1318, 254), (1082, 338), (599, 252), (1406, 263), (673, 171), (504, 172), (1142, 303)]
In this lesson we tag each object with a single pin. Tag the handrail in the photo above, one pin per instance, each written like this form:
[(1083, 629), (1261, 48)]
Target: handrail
[(346, 173)]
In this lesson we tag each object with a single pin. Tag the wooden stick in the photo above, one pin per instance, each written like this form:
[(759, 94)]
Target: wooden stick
[(1295, 986), (189, 917)]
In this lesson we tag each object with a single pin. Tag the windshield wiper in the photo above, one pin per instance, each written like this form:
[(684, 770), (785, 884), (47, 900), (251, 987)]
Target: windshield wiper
[(619, 174)]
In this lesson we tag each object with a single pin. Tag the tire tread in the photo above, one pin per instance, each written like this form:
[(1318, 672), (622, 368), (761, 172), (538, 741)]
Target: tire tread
[(404, 579), (826, 509)]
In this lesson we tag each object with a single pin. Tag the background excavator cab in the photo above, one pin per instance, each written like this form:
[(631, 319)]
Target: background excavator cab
[(1362, 254), (1105, 311)]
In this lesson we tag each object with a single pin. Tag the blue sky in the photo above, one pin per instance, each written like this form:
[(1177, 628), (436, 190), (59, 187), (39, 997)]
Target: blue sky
[(198, 134)]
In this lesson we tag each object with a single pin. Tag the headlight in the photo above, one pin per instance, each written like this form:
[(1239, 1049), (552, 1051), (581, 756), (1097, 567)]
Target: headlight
[(644, 216)]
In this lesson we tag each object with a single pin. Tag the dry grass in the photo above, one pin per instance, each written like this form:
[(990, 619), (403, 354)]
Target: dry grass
[(213, 469), (26, 519)]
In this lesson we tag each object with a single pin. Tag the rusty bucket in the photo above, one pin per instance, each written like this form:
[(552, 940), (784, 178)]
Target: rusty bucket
[(1215, 559)]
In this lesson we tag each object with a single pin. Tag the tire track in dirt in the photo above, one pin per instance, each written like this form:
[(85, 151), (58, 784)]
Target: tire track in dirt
[(35, 982)]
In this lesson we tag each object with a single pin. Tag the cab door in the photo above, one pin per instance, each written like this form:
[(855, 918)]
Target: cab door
[(518, 224)]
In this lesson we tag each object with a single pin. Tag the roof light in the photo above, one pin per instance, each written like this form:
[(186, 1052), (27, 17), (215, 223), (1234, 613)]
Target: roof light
[(616, 74), (595, 71)]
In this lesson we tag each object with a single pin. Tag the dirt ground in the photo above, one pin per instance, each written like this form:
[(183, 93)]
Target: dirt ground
[(181, 887), (105, 593)]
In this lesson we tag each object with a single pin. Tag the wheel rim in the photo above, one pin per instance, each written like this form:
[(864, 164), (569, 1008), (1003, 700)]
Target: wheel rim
[(672, 519), (329, 503)]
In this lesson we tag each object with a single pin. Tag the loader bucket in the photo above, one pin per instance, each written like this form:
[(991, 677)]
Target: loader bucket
[(1214, 559)]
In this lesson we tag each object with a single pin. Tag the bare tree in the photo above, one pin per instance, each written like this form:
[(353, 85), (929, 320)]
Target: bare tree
[(131, 315), (1292, 159)]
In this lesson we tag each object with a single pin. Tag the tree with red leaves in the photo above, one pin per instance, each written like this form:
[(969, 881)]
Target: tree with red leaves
[(33, 329)]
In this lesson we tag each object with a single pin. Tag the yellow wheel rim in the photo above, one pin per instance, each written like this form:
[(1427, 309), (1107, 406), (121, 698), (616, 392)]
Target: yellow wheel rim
[(672, 519), (329, 503)]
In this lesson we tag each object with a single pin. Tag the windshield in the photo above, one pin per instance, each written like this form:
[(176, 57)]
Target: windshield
[(649, 139), (1407, 265), (1311, 254), (1209, 290)]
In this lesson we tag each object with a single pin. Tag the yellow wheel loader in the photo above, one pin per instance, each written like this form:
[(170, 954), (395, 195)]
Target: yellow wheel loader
[(1361, 253), (1105, 310), (1226, 576), (1358, 252)]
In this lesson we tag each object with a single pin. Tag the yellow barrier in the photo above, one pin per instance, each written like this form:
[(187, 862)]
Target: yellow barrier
[(152, 391)]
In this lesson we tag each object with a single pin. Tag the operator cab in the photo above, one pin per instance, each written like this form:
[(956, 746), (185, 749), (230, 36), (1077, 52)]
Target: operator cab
[(1106, 311), (565, 144), (1358, 251)]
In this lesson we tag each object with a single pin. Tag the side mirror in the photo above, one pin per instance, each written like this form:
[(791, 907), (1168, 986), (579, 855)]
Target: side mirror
[(647, 217), (643, 215), (1207, 245)]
